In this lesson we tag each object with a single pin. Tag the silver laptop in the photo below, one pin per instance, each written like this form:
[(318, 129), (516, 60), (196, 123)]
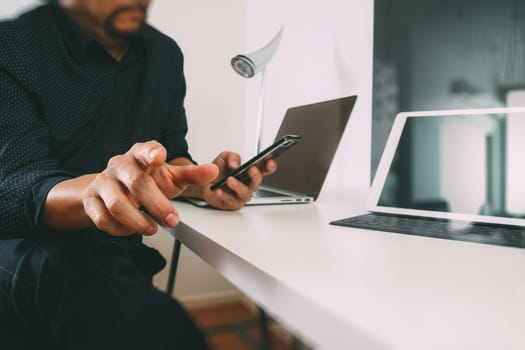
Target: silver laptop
[(301, 172), (455, 174)]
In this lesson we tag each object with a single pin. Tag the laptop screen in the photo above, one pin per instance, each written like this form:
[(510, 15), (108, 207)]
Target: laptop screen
[(321, 126), (462, 164)]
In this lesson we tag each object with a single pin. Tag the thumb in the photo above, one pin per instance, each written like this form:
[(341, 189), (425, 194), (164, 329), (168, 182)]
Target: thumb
[(194, 174)]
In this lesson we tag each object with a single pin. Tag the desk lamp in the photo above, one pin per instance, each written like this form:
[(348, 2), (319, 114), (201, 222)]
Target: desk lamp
[(251, 64)]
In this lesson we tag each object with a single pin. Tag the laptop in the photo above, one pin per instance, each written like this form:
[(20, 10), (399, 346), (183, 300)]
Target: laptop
[(301, 171), (455, 174)]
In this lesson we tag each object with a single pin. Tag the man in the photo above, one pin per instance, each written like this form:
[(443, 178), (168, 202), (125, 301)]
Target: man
[(92, 135)]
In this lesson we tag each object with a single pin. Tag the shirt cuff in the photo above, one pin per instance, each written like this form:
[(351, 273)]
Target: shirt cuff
[(37, 199)]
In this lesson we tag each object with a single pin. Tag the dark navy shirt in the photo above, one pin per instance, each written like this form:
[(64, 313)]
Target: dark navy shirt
[(66, 107)]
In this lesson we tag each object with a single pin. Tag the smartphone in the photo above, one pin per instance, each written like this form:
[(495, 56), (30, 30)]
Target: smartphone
[(272, 152)]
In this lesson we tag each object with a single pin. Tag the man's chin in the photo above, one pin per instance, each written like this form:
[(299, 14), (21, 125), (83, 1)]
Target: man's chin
[(125, 33), (126, 22)]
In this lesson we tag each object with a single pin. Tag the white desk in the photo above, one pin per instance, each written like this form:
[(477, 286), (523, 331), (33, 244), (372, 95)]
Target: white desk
[(343, 288)]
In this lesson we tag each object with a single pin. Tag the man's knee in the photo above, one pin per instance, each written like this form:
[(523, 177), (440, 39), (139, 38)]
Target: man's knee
[(41, 278), (26, 274), (27, 300)]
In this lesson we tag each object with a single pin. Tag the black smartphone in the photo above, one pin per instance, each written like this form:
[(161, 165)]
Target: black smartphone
[(272, 152)]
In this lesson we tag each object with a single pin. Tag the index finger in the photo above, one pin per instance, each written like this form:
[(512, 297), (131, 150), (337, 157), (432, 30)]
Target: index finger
[(269, 167), (233, 160), (150, 153)]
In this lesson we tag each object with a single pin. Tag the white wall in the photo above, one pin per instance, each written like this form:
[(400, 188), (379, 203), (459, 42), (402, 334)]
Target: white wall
[(209, 33), (12, 8), (325, 52)]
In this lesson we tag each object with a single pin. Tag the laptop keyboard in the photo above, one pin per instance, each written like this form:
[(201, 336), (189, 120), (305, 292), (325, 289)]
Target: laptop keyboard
[(512, 236)]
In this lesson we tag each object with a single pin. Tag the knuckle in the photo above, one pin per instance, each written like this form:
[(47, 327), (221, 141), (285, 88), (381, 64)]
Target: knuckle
[(109, 225), (162, 209), (142, 227), (87, 195), (137, 145), (115, 161), (152, 144), (101, 221), (101, 177), (141, 145), (137, 182), (89, 203), (115, 205)]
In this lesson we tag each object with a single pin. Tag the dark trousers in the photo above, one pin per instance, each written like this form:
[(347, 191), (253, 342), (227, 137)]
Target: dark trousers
[(86, 290)]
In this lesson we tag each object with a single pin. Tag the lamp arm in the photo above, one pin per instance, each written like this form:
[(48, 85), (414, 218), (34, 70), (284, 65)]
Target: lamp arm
[(260, 113), (261, 57)]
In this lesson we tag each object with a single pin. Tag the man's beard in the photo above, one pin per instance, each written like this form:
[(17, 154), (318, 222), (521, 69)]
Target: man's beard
[(114, 32)]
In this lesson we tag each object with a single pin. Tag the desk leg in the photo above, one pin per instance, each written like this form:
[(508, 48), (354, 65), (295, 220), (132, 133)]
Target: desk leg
[(173, 266), (263, 320), (263, 323)]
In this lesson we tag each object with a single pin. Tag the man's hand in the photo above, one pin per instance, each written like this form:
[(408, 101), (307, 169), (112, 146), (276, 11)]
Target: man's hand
[(240, 192), (140, 178)]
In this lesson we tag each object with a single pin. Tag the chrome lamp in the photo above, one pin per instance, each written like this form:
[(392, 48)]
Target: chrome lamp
[(249, 65)]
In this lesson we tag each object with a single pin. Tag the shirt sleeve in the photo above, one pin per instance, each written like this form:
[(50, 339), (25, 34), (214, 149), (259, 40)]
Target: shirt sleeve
[(174, 136), (26, 167)]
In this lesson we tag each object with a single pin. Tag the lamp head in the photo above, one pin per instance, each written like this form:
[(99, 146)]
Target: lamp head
[(243, 65), (249, 65)]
